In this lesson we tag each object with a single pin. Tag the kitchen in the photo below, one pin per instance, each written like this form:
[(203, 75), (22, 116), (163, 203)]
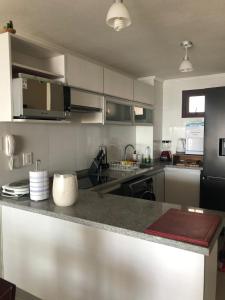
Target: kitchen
[(72, 145)]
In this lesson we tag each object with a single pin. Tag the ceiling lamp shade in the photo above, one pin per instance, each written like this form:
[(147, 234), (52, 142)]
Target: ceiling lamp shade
[(186, 65), (118, 16)]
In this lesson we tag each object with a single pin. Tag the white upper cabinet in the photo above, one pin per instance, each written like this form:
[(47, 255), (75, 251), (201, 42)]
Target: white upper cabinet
[(143, 92), (19, 55), (118, 85), (83, 74), (5, 79)]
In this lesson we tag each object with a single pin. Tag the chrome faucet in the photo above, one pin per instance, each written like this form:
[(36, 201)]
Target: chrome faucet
[(125, 150)]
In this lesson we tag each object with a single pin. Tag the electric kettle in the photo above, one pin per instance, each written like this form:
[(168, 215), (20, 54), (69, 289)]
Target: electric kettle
[(181, 146)]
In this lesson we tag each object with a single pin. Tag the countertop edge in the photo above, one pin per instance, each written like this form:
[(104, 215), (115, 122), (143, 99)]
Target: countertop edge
[(118, 230)]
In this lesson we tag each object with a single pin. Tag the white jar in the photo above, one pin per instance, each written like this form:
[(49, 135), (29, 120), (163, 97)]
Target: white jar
[(65, 189)]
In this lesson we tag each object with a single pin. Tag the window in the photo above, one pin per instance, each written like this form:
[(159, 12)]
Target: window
[(193, 104)]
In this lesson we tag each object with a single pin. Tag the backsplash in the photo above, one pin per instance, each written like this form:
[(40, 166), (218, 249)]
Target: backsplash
[(63, 147)]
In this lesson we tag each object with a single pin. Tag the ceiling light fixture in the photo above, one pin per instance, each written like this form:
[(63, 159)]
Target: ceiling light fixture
[(118, 16), (186, 65)]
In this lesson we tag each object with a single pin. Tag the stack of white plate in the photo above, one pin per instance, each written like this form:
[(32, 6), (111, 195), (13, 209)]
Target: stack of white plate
[(16, 189), (39, 185)]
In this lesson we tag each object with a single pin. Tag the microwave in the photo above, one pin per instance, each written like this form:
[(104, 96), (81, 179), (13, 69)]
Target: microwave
[(39, 98)]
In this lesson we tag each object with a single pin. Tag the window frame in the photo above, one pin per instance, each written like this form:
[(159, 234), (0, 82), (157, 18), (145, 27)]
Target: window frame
[(185, 103)]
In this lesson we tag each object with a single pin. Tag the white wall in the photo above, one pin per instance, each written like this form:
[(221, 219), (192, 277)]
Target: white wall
[(173, 124), (63, 147), (158, 118)]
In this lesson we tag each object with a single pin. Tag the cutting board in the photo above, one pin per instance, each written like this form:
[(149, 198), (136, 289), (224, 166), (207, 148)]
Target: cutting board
[(185, 226)]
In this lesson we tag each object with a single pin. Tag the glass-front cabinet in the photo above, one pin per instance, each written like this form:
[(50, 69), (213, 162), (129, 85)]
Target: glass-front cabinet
[(118, 111), (143, 115)]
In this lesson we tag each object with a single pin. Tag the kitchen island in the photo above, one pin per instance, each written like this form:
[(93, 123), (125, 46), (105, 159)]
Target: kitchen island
[(97, 250)]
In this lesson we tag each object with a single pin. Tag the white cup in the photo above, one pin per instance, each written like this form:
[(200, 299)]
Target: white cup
[(65, 189)]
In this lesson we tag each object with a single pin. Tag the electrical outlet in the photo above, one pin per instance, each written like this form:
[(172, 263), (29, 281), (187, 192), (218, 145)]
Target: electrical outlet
[(27, 158)]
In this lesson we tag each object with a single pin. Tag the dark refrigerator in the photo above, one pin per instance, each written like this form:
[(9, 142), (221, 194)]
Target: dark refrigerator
[(212, 189)]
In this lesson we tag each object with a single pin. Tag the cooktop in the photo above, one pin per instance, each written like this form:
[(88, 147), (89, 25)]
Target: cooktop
[(91, 180)]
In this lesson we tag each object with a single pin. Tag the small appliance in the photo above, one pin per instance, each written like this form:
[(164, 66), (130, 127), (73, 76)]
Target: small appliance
[(166, 154), (181, 146), (39, 98)]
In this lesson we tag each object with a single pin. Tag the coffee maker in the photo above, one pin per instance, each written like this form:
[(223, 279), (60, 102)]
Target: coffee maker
[(166, 154)]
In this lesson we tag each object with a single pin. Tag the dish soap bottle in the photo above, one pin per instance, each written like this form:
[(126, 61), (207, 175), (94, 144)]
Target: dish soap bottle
[(147, 157)]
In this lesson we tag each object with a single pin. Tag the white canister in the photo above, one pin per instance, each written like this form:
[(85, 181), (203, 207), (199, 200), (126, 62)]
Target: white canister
[(65, 189), (39, 185)]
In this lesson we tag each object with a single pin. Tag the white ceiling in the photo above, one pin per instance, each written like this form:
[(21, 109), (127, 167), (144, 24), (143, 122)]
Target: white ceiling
[(150, 46)]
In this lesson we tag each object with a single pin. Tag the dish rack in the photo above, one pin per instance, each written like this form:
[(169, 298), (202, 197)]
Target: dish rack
[(125, 166)]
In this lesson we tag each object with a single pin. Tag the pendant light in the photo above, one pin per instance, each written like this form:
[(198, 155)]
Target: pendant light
[(186, 65), (118, 16)]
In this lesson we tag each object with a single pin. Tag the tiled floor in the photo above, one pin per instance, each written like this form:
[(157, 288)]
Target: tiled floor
[(21, 295), (220, 286)]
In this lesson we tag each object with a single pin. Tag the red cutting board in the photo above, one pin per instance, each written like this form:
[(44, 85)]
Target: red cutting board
[(185, 226)]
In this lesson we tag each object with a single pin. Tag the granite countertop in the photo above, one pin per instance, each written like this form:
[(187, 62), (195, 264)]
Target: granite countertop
[(123, 215), (120, 176)]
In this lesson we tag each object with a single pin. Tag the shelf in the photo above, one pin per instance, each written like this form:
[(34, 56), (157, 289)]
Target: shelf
[(20, 68), (32, 48)]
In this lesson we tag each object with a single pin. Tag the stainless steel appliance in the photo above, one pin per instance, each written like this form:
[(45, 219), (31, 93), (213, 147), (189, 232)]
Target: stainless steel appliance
[(39, 98), (140, 187), (212, 191)]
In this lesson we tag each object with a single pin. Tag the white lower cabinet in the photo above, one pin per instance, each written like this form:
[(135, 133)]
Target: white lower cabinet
[(55, 259), (182, 186)]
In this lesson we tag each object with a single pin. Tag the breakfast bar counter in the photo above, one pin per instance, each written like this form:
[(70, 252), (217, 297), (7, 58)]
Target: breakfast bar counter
[(123, 215), (97, 249)]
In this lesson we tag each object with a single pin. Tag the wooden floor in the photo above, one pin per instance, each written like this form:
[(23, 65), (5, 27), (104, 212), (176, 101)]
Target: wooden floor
[(220, 286), (220, 290)]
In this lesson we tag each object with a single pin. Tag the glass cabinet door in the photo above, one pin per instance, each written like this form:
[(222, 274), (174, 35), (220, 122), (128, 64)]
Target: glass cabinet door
[(118, 111), (143, 115)]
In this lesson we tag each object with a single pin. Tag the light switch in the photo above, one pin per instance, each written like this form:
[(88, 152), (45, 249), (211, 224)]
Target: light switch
[(27, 158)]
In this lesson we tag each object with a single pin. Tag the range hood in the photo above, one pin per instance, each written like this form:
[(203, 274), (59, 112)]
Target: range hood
[(85, 102)]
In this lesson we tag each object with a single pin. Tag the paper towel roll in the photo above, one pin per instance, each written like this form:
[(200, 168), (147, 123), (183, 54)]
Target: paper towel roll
[(39, 185)]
